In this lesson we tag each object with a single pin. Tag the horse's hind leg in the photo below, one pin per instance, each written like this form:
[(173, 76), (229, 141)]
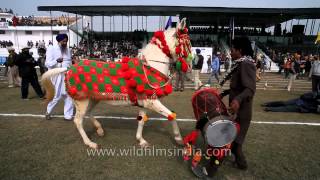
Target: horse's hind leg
[(96, 123), (157, 106), (141, 120), (81, 109)]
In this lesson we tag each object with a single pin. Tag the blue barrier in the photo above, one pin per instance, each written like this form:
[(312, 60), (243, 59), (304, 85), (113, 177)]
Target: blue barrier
[(2, 60)]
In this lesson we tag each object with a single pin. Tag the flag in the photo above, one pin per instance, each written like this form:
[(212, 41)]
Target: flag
[(318, 38), (169, 23)]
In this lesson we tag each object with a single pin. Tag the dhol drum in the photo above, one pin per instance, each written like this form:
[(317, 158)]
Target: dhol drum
[(213, 118), (217, 129)]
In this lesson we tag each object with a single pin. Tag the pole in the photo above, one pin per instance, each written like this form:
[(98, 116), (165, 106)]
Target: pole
[(68, 30), (51, 27), (305, 28), (103, 24), (131, 22), (137, 22), (114, 27), (122, 23), (77, 28), (146, 23)]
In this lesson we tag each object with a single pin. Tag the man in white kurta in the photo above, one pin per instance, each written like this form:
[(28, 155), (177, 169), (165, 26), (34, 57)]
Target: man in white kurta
[(59, 56)]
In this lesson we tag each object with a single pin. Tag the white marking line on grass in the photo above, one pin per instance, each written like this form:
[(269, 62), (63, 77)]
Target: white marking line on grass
[(163, 119)]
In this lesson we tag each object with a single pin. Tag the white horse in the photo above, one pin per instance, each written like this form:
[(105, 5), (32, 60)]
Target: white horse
[(156, 57)]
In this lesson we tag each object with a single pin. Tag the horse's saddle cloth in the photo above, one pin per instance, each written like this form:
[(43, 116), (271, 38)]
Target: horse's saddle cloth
[(129, 79)]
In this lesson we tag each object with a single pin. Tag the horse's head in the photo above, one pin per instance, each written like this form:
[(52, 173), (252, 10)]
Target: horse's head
[(170, 48)]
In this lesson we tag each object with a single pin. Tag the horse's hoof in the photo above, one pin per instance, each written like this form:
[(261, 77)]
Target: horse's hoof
[(179, 141), (144, 144), (100, 132), (94, 145)]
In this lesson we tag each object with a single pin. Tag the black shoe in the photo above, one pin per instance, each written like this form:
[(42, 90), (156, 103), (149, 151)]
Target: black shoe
[(240, 159)]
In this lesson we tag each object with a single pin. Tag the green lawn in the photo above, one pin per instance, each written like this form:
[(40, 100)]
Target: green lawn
[(32, 148)]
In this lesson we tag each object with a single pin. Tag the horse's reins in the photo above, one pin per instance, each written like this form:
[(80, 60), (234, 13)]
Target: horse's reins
[(169, 75)]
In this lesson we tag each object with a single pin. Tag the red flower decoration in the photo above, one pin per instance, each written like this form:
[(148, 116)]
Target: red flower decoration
[(140, 88), (149, 92), (99, 65), (185, 54), (86, 62), (88, 78), (84, 88), (95, 87), (100, 78), (105, 72), (133, 72), (124, 67), (127, 75), (178, 49), (77, 79), (115, 81), (73, 90), (69, 72), (125, 59), (135, 61), (93, 70), (112, 65), (132, 83), (124, 89), (108, 88), (80, 69), (168, 89), (120, 73), (159, 92)]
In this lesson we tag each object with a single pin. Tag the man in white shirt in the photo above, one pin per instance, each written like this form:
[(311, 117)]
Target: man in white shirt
[(59, 56)]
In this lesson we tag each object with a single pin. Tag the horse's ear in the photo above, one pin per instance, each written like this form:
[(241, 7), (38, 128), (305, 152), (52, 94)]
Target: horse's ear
[(182, 24)]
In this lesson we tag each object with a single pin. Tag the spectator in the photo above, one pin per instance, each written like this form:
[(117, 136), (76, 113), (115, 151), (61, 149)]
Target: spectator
[(196, 67), (315, 75), (13, 73), (28, 73)]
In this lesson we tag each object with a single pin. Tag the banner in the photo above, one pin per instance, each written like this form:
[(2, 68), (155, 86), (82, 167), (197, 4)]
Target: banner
[(206, 52)]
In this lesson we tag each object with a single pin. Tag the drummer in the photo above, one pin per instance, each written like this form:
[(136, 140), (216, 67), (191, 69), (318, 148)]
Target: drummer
[(242, 90)]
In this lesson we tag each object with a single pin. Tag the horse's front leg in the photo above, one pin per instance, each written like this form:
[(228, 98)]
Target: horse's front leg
[(81, 109), (157, 106), (142, 118)]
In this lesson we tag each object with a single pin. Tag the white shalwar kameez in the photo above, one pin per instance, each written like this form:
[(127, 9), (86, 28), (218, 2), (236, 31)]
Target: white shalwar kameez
[(54, 53)]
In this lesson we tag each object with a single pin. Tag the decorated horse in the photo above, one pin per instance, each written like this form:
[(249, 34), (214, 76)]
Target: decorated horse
[(133, 82)]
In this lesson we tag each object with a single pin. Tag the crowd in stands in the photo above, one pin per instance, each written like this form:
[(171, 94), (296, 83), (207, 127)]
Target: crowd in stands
[(4, 44), (62, 20), (238, 31), (107, 49)]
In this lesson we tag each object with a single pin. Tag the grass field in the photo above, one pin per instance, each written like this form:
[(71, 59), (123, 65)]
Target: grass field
[(33, 148)]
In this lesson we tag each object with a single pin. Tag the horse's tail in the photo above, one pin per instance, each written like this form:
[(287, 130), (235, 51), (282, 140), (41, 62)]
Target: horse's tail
[(47, 84)]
